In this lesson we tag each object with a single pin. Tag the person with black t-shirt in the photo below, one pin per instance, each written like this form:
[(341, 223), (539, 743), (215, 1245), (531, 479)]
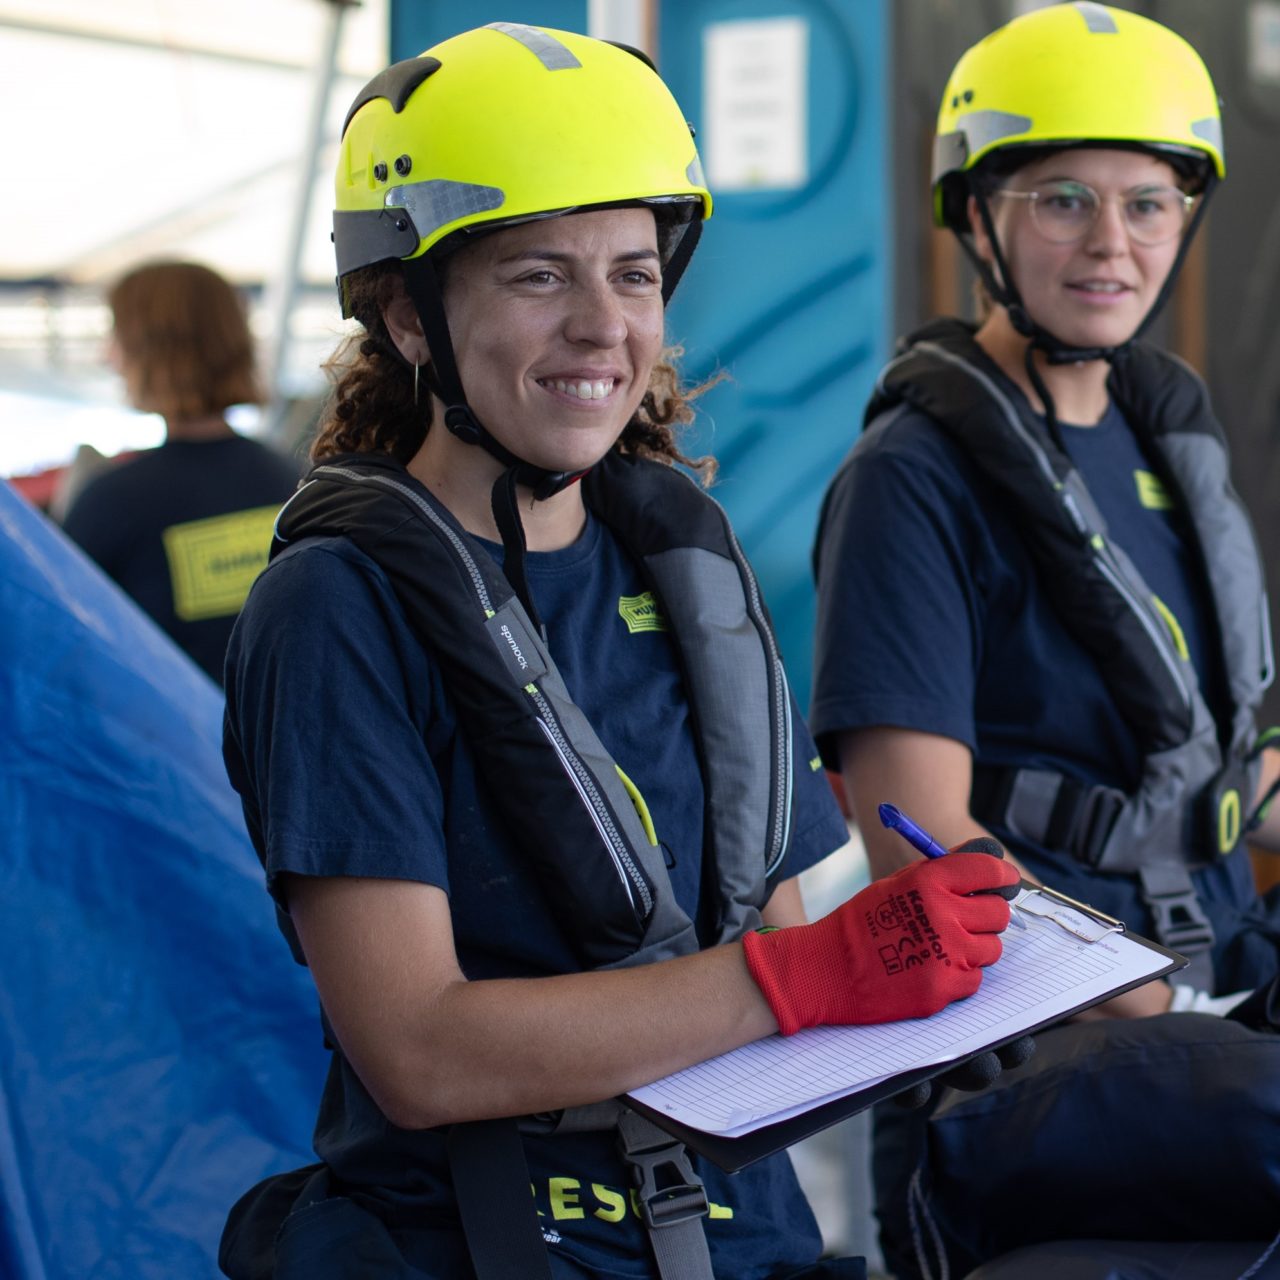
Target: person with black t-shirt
[(184, 528)]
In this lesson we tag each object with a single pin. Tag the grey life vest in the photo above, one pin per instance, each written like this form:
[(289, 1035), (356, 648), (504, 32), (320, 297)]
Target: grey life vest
[(565, 802), (1198, 776)]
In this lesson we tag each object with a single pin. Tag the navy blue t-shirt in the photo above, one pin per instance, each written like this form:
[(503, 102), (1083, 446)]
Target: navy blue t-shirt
[(184, 528), (344, 747), (931, 616)]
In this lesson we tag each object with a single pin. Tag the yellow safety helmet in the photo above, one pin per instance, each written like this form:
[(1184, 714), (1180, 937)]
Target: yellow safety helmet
[(501, 124), (1072, 75)]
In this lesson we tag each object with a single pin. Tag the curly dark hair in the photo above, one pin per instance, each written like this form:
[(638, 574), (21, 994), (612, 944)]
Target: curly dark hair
[(372, 406)]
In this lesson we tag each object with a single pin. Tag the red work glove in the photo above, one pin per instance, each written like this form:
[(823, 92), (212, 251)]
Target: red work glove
[(904, 947)]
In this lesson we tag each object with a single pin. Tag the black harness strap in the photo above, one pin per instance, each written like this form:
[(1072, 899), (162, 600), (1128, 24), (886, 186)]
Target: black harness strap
[(504, 503), (1071, 815), (491, 1185), (499, 1220)]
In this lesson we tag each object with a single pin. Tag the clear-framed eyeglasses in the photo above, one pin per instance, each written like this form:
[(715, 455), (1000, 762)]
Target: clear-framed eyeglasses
[(1065, 211)]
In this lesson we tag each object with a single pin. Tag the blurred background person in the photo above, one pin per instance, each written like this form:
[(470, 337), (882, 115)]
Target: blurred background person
[(184, 528)]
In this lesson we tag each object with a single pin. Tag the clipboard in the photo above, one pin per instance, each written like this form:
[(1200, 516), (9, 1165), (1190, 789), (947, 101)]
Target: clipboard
[(1051, 909)]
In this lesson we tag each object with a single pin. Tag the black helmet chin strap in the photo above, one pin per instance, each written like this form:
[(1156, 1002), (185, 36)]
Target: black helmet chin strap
[(423, 285), (1003, 289)]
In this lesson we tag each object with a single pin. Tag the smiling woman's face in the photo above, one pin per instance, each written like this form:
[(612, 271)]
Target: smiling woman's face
[(1095, 291), (556, 326)]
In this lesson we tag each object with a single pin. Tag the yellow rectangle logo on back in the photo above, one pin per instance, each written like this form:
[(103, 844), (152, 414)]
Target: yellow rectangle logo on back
[(213, 562)]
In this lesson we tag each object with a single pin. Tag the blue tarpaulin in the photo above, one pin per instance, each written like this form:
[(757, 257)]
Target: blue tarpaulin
[(161, 1051)]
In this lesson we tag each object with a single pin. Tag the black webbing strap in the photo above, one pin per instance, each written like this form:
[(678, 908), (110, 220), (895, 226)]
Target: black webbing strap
[(503, 501), (491, 1186), (1063, 814)]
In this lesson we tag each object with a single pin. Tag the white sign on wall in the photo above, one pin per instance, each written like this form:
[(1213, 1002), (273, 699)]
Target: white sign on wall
[(1264, 42), (755, 104)]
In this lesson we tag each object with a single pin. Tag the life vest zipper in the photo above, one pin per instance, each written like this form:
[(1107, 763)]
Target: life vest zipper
[(632, 879)]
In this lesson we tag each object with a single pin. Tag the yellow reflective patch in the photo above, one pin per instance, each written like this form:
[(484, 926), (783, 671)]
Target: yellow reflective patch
[(1228, 821), (1151, 492), (213, 562), (640, 613), (1175, 628), (815, 764)]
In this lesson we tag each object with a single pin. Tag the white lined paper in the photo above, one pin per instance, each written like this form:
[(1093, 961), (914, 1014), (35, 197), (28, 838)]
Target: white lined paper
[(1044, 973)]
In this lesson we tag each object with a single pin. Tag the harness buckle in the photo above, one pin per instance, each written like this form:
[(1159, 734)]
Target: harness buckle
[(667, 1188), (1180, 921)]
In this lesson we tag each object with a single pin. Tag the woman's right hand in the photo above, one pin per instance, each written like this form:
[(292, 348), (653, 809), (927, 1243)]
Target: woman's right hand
[(904, 947)]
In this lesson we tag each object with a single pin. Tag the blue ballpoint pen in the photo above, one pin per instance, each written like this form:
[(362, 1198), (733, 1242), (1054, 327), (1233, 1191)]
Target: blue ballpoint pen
[(918, 838)]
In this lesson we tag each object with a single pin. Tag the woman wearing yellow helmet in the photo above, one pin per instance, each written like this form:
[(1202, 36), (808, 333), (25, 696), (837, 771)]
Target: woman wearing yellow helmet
[(1040, 602), (510, 726)]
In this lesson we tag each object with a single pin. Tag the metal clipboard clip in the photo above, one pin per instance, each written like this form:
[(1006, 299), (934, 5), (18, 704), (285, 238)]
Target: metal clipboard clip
[(1081, 921)]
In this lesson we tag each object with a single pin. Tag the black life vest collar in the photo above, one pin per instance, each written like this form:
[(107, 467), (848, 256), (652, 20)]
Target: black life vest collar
[(559, 793), (1096, 590)]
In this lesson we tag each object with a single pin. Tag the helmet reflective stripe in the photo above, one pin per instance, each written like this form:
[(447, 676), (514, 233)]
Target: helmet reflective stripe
[(981, 130), (1097, 18), (372, 235), (551, 53), (1210, 129), (436, 202)]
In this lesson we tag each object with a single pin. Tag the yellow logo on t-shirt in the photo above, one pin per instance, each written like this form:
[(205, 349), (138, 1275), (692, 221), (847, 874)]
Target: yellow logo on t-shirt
[(213, 562), (640, 613), (1151, 492)]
